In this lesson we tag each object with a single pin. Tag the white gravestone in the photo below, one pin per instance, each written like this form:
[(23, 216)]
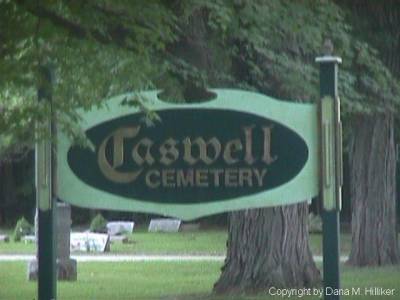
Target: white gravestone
[(89, 242), (119, 227), (164, 225), (4, 238), (28, 239)]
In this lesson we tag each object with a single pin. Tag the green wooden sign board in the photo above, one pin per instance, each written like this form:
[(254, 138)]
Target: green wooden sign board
[(239, 150)]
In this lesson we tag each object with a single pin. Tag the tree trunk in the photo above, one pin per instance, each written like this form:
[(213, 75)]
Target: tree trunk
[(268, 247), (373, 192)]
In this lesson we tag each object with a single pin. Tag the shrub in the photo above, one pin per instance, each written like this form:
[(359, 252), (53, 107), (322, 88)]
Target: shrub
[(98, 224), (22, 228)]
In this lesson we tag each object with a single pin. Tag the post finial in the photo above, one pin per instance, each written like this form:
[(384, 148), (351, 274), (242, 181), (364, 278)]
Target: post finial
[(327, 54), (327, 47)]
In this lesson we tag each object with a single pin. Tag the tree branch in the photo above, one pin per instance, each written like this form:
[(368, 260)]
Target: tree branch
[(75, 29)]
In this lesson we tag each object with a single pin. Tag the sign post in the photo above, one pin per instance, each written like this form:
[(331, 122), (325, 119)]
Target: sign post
[(47, 289), (331, 172)]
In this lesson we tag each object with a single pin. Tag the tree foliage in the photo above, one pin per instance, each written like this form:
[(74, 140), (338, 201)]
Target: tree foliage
[(96, 48), (103, 48)]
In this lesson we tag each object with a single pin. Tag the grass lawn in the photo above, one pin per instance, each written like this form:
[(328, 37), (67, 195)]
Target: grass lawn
[(210, 242), (167, 281), (206, 242)]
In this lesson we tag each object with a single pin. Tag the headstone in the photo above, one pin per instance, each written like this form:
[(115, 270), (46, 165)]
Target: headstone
[(28, 239), (119, 227), (164, 225), (90, 242), (33, 267), (4, 238), (66, 267)]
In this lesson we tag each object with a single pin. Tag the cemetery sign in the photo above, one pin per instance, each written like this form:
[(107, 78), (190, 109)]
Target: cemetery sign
[(237, 151)]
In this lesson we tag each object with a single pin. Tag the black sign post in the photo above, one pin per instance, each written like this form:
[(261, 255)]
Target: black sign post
[(331, 173), (47, 282)]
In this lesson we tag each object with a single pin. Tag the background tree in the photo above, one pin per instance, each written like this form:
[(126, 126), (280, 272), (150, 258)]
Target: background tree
[(372, 148)]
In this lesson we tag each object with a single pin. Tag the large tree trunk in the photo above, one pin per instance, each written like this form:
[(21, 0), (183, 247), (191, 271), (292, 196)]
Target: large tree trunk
[(373, 192), (268, 247)]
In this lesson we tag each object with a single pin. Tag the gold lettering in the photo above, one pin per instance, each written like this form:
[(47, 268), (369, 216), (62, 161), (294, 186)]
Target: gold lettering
[(169, 152), (200, 150), (245, 175), (260, 176), (230, 148), (184, 180), (146, 144), (216, 174), (155, 182), (203, 147), (109, 171), (231, 177), (267, 157), (168, 178), (248, 134), (201, 178)]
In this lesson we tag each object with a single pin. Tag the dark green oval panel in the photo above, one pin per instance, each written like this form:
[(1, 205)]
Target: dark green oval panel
[(261, 155)]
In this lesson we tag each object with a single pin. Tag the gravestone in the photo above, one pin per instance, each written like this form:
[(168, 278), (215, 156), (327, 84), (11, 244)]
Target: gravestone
[(90, 242), (164, 225), (33, 267), (4, 238), (28, 239), (66, 267), (119, 227)]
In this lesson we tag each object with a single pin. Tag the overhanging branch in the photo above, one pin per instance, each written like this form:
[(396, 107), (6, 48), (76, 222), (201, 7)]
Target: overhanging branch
[(75, 29)]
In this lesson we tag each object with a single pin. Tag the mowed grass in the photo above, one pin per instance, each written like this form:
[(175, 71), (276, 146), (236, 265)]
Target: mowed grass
[(204, 242), (208, 242), (167, 281)]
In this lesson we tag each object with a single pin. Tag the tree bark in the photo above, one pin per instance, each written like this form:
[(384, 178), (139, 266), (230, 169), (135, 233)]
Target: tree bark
[(268, 247), (373, 192)]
